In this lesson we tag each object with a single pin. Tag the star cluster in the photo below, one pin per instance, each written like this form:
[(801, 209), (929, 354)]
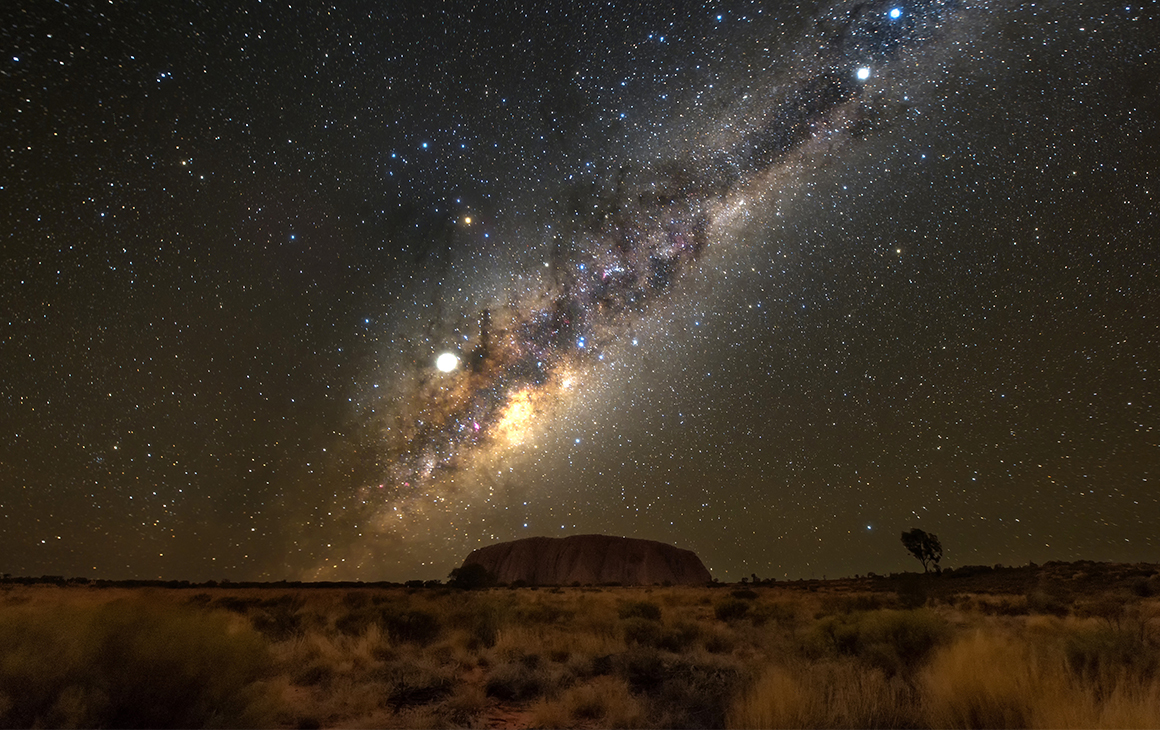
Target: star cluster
[(346, 292)]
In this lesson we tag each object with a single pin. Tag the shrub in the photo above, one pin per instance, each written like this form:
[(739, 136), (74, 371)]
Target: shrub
[(413, 627), (731, 609), (127, 665), (640, 609), (604, 701), (356, 599), (483, 616), (694, 692), (642, 631), (589, 666), (642, 668), (1110, 610), (279, 618), (236, 604), (472, 576), (676, 637), (1145, 587), (913, 591), (314, 674), (516, 682), (719, 642), (485, 625), (1046, 603), (781, 613), (1005, 607), (1106, 652), (416, 684), (679, 636), (536, 612), (894, 641), (465, 705), (357, 620)]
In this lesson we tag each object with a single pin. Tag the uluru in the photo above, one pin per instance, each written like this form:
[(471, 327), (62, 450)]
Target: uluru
[(590, 559)]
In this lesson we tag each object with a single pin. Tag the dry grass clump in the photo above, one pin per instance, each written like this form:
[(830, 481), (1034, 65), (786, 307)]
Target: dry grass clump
[(602, 702), (894, 641), (127, 664), (831, 693), (988, 680), (997, 679)]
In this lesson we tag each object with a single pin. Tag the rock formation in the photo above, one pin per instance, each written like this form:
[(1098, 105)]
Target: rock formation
[(590, 559)]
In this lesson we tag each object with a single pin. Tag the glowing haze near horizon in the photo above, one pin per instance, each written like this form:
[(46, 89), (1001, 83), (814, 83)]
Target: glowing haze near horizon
[(347, 292)]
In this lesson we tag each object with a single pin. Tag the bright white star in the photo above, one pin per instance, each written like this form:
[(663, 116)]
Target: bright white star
[(446, 362)]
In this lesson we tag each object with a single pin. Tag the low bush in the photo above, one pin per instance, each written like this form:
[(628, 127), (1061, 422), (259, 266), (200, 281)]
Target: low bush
[(279, 620), (127, 664), (539, 612), (693, 691), (484, 629), (1005, 607), (640, 609), (642, 631), (605, 702), (517, 681), (412, 627), (1042, 602), (1099, 654), (642, 668), (356, 599), (892, 640), (411, 684), (913, 591), (356, 620), (731, 609), (719, 642), (237, 604), (676, 637), (780, 613)]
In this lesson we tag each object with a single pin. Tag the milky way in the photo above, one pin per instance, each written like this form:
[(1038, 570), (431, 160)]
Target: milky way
[(628, 241), (773, 282)]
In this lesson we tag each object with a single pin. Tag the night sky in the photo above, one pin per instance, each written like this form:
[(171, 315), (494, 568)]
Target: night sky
[(768, 281)]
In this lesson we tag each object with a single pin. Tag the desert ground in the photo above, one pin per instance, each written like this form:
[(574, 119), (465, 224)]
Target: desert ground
[(1058, 645)]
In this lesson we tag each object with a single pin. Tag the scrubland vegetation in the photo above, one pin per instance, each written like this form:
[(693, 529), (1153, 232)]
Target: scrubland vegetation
[(836, 654)]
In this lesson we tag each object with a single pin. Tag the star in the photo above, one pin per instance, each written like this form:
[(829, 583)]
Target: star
[(446, 362)]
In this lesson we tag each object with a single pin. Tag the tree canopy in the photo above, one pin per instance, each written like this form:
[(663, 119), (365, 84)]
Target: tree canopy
[(471, 577), (923, 546)]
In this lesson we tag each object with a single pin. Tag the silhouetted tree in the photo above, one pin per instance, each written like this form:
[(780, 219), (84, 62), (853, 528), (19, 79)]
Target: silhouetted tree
[(923, 546), (471, 576)]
